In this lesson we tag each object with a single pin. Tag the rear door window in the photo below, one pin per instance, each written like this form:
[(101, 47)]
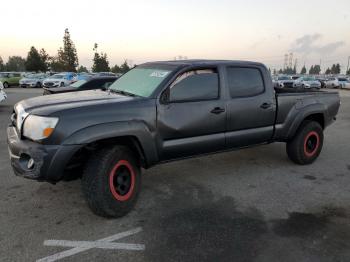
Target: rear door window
[(244, 81)]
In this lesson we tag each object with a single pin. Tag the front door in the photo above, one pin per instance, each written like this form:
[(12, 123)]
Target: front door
[(193, 119)]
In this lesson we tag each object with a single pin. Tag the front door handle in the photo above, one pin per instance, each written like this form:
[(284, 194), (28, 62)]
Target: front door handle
[(266, 105), (217, 110)]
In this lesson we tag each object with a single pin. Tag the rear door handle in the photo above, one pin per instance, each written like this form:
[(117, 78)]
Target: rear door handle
[(266, 105), (217, 110)]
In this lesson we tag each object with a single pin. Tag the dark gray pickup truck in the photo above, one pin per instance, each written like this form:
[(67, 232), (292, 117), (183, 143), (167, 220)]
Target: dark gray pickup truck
[(158, 112)]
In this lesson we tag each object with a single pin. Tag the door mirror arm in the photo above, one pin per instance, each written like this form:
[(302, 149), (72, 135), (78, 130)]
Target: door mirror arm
[(165, 97)]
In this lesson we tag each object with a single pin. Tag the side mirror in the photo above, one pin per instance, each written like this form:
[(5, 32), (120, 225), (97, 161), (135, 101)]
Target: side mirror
[(165, 97)]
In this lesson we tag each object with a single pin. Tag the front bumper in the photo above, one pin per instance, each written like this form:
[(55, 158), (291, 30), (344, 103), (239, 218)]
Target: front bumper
[(3, 95), (25, 85), (51, 85), (49, 160)]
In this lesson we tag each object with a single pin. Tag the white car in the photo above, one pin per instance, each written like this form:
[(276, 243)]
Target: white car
[(343, 82), (3, 95), (307, 82), (332, 82), (284, 81), (32, 80), (59, 80)]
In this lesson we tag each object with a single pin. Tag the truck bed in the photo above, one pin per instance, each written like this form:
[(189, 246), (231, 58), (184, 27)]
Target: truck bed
[(297, 102)]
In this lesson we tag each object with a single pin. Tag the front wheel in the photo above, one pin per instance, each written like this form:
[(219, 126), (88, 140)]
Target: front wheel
[(307, 144), (6, 85), (112, 181)]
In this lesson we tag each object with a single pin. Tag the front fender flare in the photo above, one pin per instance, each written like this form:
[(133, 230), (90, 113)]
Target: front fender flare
[(136, 129)]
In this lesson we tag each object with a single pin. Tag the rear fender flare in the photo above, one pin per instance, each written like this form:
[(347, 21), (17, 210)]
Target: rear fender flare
[(293, 124)]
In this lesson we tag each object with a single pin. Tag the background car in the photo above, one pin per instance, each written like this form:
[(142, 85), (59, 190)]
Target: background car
[(322, 80), (3, 95), (84, 76), (343, 82), (82, 85), (105, 74), (32, 80), (284, 81), (10, 79), (307, 82), (60, 80), (332, 82)]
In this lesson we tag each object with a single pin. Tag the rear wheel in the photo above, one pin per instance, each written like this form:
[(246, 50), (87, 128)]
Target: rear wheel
[(307, 144), (112, 181)]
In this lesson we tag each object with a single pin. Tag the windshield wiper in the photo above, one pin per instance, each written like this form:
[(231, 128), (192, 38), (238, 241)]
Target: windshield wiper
[(121, 92)]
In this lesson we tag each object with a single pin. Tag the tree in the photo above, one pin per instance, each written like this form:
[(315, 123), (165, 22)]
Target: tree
[(303, 70), (15, 63), (45, 58), (335, 69), (348, 72), (100, 61), (34, 61), (82, 69), (67, 58), (124, 67), (116, 69), (57, 62), (2, 65), (315, 70), (311, 70), (328, 71)]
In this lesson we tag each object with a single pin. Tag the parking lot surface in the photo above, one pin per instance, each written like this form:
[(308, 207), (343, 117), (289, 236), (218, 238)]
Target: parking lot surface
[(247, 205)]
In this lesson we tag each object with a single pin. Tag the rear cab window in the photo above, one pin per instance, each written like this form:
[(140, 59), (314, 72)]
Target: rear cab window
[(244, 81)]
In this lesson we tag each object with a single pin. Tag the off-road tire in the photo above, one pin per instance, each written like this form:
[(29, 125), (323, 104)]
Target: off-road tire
[(101, 177), (307, 143)]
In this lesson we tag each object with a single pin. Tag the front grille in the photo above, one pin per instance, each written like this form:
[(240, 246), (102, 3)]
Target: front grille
[(288, 84), (49, 84)]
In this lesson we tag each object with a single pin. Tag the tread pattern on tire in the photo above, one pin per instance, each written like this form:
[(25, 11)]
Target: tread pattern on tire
[(95, 185), (295, 147)]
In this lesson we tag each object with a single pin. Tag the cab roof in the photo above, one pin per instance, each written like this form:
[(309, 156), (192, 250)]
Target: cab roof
[(203, 62)]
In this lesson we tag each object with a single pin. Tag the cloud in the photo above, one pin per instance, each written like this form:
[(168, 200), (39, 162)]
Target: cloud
[(308, 44)]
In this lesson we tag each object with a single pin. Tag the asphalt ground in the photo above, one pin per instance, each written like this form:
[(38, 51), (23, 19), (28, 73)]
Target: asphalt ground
[(247, 205)]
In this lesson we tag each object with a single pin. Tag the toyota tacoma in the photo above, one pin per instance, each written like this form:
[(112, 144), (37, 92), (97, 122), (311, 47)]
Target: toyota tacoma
[(157, 112)]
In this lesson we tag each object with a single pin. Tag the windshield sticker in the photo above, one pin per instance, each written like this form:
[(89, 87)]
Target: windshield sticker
[(160, 74)]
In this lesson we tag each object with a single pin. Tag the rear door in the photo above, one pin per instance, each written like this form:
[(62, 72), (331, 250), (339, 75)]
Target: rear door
[(192, 120), (250, 108)]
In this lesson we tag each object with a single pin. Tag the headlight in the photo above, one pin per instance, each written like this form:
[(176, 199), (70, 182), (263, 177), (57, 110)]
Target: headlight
[(39, 127)]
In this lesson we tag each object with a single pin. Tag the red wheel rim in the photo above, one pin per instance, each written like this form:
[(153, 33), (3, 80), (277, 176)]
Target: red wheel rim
[(122, 180), (311, 143)]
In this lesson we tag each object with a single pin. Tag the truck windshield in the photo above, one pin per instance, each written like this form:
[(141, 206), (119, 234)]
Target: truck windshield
[(140, 81)]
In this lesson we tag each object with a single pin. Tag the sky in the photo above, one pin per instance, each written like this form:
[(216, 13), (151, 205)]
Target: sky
[(151, 30)]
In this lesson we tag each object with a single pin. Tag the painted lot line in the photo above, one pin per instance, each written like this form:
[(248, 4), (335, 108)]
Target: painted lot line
[(81, 246)]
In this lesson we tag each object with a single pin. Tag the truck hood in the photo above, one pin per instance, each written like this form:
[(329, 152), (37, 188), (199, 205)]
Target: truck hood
[(45, 105)]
